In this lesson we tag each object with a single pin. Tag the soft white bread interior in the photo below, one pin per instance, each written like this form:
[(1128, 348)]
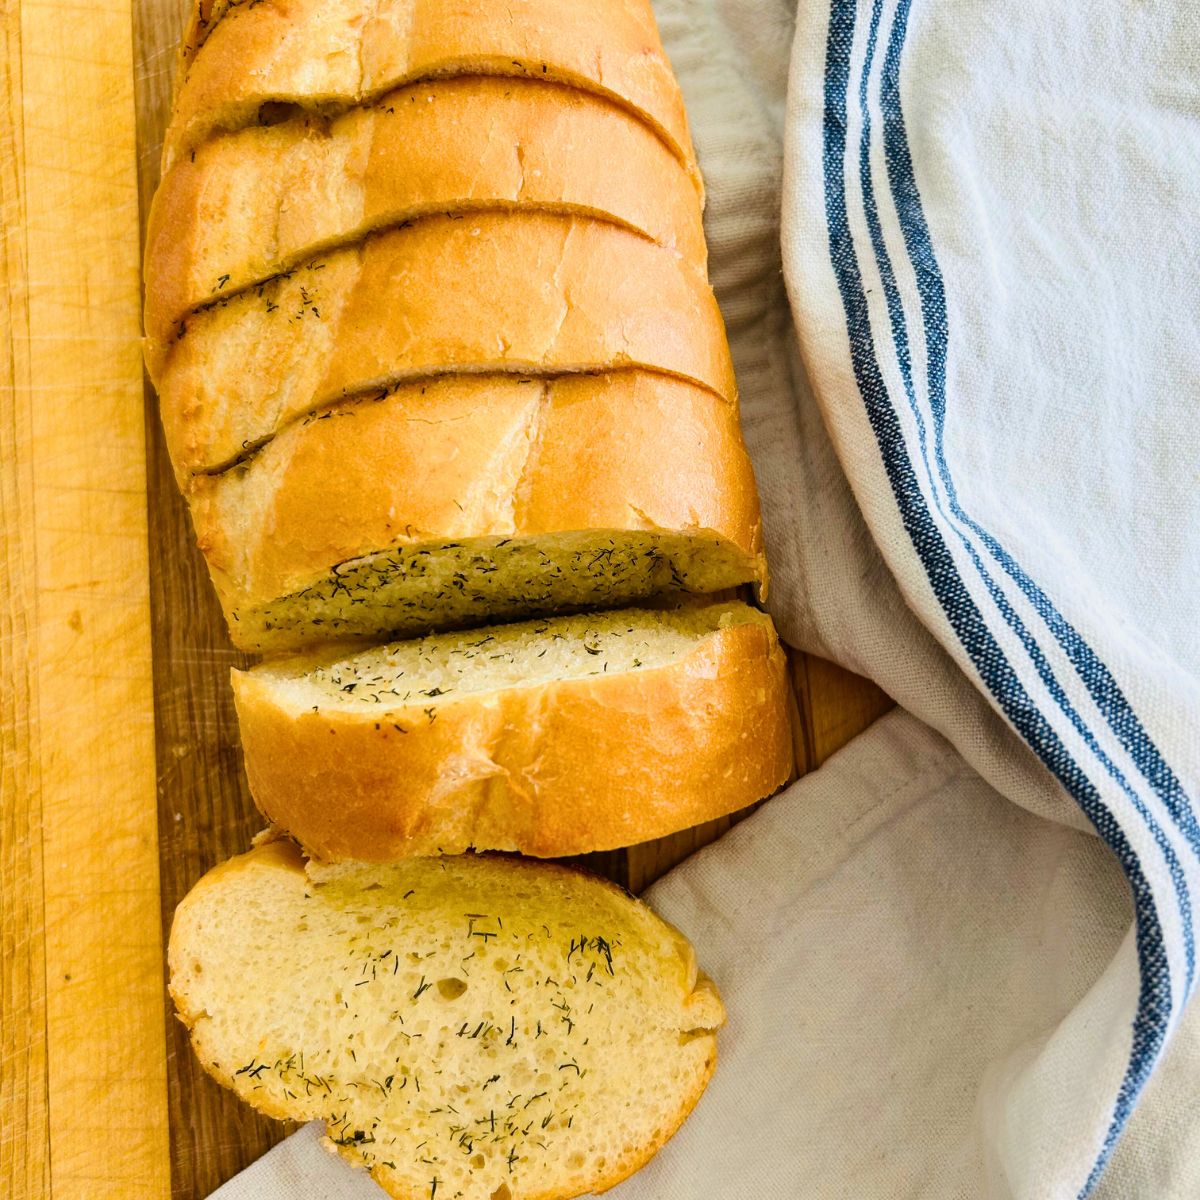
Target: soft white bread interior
[(515, 291), (251, 204), (551, 737), (328, 54), (480, 497), (466, 1027)]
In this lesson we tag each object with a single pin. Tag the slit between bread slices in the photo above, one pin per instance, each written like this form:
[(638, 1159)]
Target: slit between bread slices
[(566, 295), (382, 389), (252, 113), (361, 238), (420, 587), (539, 126), (173, 328), (508, 45)]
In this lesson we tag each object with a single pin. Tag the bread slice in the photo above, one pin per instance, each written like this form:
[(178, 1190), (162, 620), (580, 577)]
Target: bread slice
[(516, 291), (471, 1028), (253, 203), (477, 497), (552, 737), (323, 54)]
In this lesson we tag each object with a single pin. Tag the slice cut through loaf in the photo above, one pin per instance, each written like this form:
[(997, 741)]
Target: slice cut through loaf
[(514, 291), (475, 497), (251, 204), (418, 587), (552, 737), (323, 54), (478, 1028)]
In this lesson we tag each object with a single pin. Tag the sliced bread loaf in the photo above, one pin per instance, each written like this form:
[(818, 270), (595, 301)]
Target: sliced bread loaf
[(517, 291), (473, 498), (471, 1028), (251, 204), (552, 737)]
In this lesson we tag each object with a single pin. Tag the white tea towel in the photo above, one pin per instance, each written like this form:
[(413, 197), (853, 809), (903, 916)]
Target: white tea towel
[(889, 936), (939, 985), (986, 233)]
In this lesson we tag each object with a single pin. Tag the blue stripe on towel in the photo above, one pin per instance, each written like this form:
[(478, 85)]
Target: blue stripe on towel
[(1155, 992), (1104, 689), (896, 142)]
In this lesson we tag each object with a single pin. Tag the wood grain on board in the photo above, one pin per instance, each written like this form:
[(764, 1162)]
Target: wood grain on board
[(82, 1064), (120, 771)]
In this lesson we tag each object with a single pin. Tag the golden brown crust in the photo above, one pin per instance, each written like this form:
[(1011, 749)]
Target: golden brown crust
[(202, 20), (323, 52), (253, 203), (477, 456), (553, 769), (517, 291)]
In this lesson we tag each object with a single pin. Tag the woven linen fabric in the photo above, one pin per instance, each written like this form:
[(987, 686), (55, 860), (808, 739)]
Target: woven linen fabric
[(957, 959), (988, 262), (892, 937)]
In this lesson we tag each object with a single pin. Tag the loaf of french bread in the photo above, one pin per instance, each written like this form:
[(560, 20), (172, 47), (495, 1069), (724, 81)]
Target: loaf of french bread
[(428, 313)]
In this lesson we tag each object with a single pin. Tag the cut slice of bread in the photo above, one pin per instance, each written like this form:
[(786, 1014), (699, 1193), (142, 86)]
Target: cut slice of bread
[(479, 1028), (553, 737), (417, 587), (515, 291), (475, 497), (260, 201), (323, 53)]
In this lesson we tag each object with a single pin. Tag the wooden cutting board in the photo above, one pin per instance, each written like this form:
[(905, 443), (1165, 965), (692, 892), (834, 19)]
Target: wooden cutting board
[(120, 775)]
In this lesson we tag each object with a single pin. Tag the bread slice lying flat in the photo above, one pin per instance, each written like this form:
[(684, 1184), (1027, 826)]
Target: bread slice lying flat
[(474, 498), (251, 204), (517, 291), (471, 1028), (552, 737), (324, 54)]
